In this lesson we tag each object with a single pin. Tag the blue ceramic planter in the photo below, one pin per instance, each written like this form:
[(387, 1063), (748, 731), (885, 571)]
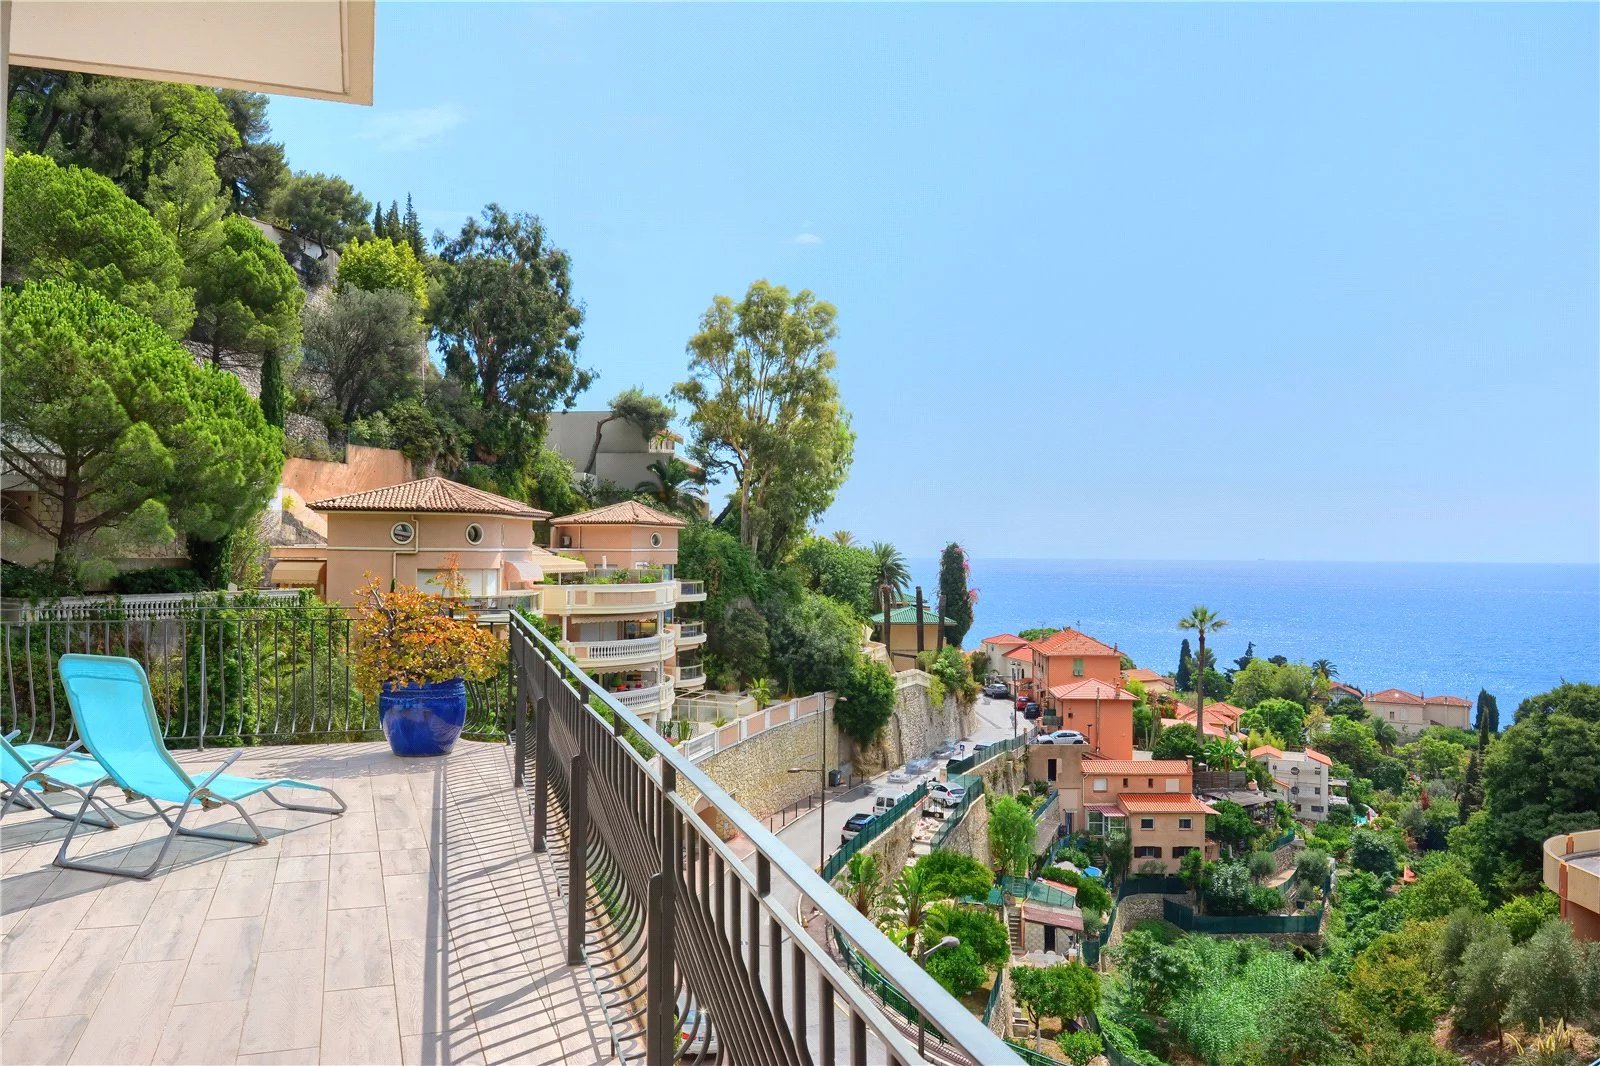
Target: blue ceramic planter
[(423, 719)]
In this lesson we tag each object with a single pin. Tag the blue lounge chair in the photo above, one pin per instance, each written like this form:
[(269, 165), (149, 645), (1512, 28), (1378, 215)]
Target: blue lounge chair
[(116, 717), (30, 771)]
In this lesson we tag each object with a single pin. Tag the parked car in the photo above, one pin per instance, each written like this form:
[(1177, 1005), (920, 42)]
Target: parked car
[(948, 795), (1063, 736), (944, 751), (1022, 703), (885, 801), (855, 824), (997, 690), (694, 1031), (1031, 711)]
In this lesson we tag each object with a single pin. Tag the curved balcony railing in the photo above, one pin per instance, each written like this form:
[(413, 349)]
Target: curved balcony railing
[(690, 634), (655, 898), (689, 676), (609, 599), (691, 591), (604, 653), (647, 700)]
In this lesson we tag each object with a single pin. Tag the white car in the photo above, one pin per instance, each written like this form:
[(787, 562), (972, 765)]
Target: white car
[(1063, 736), (948, 795)]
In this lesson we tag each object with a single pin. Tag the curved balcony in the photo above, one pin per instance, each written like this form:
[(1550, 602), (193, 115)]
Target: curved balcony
[(610, 599), (610, 654), (651, 700), (689, 634), (691, 591), (689, 677)]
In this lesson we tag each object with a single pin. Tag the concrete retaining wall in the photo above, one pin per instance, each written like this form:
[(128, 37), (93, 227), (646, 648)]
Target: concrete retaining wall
[(755, 772)]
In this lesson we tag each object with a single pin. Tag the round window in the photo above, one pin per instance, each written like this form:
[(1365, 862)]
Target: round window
[(402, 532), (655, 540), (474, 534)]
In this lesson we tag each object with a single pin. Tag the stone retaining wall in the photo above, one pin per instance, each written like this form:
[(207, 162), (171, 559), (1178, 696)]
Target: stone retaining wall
[(755, 772), (1005, 1006), (971, 837), (916, 728)]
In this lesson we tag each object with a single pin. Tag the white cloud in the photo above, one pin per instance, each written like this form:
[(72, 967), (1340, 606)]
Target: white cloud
[(408, 130), (807, 238)]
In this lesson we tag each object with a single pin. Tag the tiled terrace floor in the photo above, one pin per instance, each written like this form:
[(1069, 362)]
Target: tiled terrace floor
[(416, 928)]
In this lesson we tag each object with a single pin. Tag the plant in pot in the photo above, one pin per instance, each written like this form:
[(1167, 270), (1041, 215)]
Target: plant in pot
[(416, 655)]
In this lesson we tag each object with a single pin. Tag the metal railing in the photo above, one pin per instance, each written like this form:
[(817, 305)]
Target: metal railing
[(691, 589), (227, 672), (637, 649), (690, 631), (657, 901), (132, 606), (992, 751)]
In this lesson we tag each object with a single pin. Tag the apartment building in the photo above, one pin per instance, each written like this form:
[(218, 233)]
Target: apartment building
[(1078, 681), (619, 616), (1304, 780), (997, 648), (1411, 713)]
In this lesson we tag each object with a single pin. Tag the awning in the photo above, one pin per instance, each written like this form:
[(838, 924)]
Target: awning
[(1104, 808), (297, 572), (316, 48), (551, 563), (521, 572)]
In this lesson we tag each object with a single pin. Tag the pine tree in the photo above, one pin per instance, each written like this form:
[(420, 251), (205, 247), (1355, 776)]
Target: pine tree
[(1488, 709), (1185, 678), (274, 396), (413, 226)]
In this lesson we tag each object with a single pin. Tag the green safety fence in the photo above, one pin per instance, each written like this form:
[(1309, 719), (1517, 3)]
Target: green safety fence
[(874, 829), (990, 751), (994, 995), (1039, 892), (952, 818), (1044, 808)]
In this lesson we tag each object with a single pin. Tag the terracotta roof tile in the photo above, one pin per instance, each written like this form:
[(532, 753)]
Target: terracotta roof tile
[(1266, 749), (1448, 701), (1090, 689), (1007, 640), (1022, 654), (1317, 756), (1072, 642), (625, 513), (1141, 674), (1148, 767), (433, 495), (1393, 695), (1136, 804)]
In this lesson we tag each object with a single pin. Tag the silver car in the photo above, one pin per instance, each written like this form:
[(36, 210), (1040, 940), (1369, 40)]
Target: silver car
[(948, 795), (1063, 736)]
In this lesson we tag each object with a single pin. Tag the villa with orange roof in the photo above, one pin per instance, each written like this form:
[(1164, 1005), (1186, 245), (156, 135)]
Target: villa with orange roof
[(997, 647), (1078, 681), (1019, 669), (1222, 719), (1155, 683), (1164, 828), (1152, 798), (1410, 713), (1304, 780)]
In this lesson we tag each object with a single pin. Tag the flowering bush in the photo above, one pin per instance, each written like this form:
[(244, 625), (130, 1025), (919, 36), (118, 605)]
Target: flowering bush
[(410, 637)]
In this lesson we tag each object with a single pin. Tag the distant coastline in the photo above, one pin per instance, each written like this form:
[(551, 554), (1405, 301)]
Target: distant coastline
[(1515, 629)]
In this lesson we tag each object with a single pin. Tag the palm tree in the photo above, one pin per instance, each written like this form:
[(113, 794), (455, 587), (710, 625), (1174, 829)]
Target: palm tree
[(1223, 753), (1384, 734), (1326, 669), (863, 882), (844, 538), (892, 569), (912, 897), (1202, 621), (675, 487)]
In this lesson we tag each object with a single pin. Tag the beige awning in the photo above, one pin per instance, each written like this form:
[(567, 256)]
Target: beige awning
[(521, 572), (318, 48), (298, 572), (551, 563)]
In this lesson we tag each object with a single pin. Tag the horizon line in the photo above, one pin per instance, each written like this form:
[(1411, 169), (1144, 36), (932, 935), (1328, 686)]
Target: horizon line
[(1594, 563)]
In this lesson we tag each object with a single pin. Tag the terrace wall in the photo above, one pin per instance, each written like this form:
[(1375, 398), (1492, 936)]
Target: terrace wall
[(971, 836), (917, 727)]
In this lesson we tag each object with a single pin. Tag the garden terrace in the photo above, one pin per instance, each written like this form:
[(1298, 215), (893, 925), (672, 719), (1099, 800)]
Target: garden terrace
[(446, 915)]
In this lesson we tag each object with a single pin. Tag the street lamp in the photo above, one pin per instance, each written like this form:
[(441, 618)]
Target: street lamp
[(922, 957), (822, 811)]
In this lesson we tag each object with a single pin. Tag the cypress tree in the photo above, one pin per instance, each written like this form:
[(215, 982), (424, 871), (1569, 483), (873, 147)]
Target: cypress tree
[(1185, 678), (391, 222), (1488, 710), (413, 227), (377, 221), (273, 394), (953, 592)]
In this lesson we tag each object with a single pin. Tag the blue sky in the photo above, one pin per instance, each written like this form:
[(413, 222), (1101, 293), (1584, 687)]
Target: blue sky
[(1142, 281)]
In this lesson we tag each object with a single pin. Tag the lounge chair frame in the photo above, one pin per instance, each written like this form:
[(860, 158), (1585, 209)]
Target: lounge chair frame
[(18, 794)]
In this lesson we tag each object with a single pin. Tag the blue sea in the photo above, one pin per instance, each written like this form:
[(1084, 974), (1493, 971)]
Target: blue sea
[(1449, 629)]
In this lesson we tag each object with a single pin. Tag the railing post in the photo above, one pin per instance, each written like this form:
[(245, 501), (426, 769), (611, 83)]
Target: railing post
[(577, 857), (520, 744), (203, 679), (660, 1025), (541, 771)]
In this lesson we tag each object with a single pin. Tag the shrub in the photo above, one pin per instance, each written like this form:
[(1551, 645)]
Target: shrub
[(1374, 853), (36, 582), (957, 969), (1261, 865), (866, 700), (1080, 1047), (157, 579), (1311, 866), (408, 637)]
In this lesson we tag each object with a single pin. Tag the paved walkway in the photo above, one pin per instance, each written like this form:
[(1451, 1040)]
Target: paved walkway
[(418, 928)]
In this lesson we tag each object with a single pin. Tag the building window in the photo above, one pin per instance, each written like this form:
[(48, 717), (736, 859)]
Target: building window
[(1147, 851), (1097, 822), (1185, 823), (402, 532), (1181, 850), (1294, 770), (1316, 810), (1147, 823), (1149, 782), (1077, 668), (474, 533), (1099, 784), (1172, 784), (1317, 790), (1124, 782), (655, 540), (1050, 770)]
